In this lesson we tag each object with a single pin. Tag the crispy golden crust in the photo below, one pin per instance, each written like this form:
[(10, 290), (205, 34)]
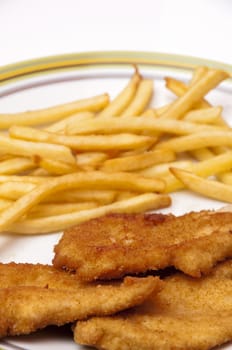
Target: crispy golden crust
[(186, 314), (115, 245), (34, 296)]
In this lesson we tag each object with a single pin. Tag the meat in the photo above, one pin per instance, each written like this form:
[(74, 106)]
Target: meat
[(118, 244), (186, 314), (34, 296)]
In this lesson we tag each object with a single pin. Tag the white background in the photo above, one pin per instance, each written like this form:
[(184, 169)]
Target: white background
[(35, 28)]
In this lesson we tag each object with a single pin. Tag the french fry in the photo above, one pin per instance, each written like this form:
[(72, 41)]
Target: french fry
[(55, 113), (160, 110), (137, 162), (210, 115), (30, 149), (208, 188), (24, 179), (16, 165), (101, 197), (138, 204), (162, 170), (90, 163), (82, 143), (122, 195), (118, 105), (138, 125), (61, 125), (150, 112), (212, 166), (198, 140), (55, 167), (14, 190), (202, 153), (95, 180), (52, 209), (194, 94), (198, 73), (141, 99), (225, 178), (181, 89), (39, 172), (90, 160), (5, 203)]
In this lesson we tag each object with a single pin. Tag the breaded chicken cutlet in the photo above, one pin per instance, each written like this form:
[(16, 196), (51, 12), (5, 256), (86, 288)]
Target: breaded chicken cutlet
[(187, 314), (119, 244), (35, 296)]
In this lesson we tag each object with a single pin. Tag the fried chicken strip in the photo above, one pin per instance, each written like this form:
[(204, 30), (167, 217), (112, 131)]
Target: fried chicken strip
[(34, 296), (119, 244), (187, 314)]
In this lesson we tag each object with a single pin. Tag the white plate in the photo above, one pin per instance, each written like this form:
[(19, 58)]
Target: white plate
[(54, 80)]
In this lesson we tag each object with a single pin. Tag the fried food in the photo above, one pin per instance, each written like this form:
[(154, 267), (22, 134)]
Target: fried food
[(186, 314), (115, 245), (34, 296)]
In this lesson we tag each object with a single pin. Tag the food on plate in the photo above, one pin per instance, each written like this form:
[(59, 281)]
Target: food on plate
[(124, 98), (205, 187), (35, 296), (133, 204), (186, 314), (95, 180), (124, 145), (54, 113), (116, 245)]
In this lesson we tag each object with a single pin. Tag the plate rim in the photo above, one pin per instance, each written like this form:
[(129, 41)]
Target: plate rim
[(60, 62)]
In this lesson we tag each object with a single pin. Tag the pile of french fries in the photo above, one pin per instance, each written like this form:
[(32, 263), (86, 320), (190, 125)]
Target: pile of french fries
[(69, 163)]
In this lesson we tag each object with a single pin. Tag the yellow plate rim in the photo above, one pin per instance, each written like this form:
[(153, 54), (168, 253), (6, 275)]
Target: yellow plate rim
[(49, 64)]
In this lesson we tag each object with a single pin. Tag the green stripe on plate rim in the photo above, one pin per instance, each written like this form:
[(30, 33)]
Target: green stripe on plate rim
[(51, 64)]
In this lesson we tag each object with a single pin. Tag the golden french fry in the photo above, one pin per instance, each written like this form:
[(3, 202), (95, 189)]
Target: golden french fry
[(160, 110), (55, 167), (55, 113), (141, 99), (179, 88), (138, 125), (212, 166), (16, 165), (210, 115), (30, 149), (137, 162), (190, 97), (82, 143), (39, 172), (13, 190), (24, 179), (202, 154), (198, 73), (140, 203), (52, 209), (225, 178), (61, 125), (98, 196), (198, 140), (90, 160), (208, 188), (117, 106), (94, 180), (150, 112), (5, 203), (162, 170), (122, 195)]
